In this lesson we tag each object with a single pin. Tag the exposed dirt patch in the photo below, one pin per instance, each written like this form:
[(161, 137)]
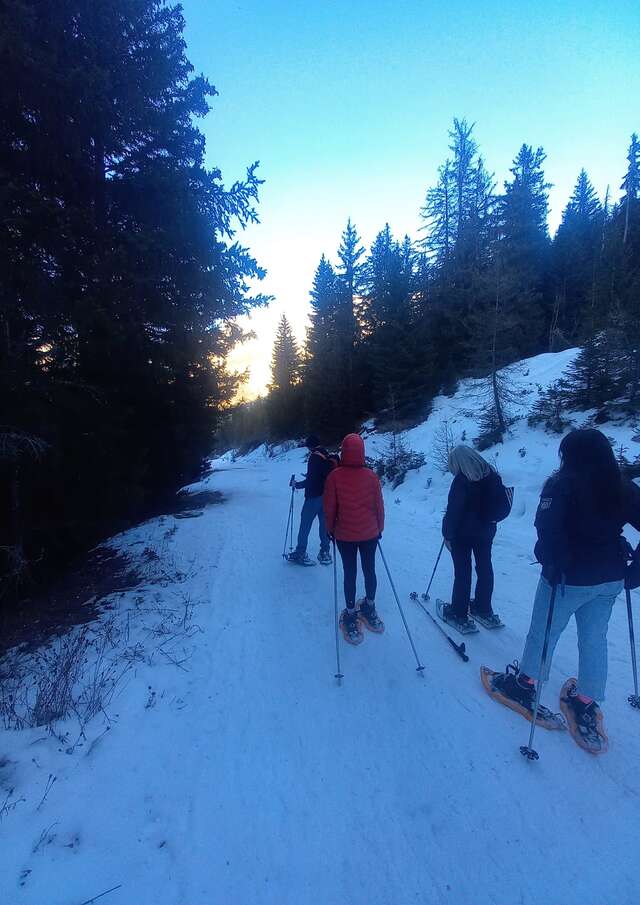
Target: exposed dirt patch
[(188, 502), (82, 593), (74, 599)]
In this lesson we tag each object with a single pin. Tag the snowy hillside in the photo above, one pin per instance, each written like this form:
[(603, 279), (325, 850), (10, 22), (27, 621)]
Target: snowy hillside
[(229, 768)]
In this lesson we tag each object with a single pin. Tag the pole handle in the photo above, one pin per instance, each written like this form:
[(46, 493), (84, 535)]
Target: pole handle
[(458, 648)]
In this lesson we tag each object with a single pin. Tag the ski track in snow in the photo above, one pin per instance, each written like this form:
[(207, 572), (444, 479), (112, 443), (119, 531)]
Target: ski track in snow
[(256, 779)]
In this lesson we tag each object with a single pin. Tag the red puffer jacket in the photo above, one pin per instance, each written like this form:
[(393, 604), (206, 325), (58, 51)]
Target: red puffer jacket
[(352, 501)]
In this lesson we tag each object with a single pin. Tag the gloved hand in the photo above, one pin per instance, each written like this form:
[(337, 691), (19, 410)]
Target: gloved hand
[(447, 544), (292, 482)]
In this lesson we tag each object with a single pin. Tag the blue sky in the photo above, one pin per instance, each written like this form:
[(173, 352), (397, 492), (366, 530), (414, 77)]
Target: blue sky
[(347, 107)]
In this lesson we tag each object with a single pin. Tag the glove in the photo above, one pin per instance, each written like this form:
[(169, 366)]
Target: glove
[(447, 544), (292, 482), (632, 573)]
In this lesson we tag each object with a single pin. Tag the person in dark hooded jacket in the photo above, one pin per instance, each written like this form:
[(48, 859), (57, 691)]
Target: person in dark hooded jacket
[(582, 511), (468, 528), (354, 513), (319, 466)]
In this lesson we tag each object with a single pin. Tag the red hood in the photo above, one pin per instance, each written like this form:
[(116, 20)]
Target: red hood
[(352, 452)]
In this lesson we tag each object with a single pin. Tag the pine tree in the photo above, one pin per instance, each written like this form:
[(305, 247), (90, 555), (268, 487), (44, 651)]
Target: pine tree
[(520, 255), (285, 359), (326, 370), (438, 219), (349, 281), (458, 218), (398, 363), (284, 397), (623, 276), (119, 275), (631, 186), (593, 379), (577, 257)]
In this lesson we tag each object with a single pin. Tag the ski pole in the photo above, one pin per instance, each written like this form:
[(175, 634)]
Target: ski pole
[(527, 750), (425, 596), (293, 495), (419, 667), (289, 521), (338, 674), (634, 699), (460, 649)]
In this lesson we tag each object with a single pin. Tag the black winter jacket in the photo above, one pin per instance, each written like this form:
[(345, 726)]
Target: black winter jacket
[(576, 544), (318, 467), (466, 517)]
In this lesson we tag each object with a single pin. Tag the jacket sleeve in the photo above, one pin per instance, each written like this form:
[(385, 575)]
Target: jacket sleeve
[(330, 504), (552, 548), (455, 508), (379, 504)]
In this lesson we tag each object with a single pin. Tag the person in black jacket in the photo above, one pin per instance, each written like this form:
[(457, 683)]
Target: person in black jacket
[(582, 511), (319, 465), (468, 529)]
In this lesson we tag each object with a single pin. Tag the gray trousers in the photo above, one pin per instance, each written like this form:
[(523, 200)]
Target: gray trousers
[(312, 507)]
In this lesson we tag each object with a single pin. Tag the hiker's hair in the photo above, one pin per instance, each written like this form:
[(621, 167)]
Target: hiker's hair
[(587, 454), (463, 459)]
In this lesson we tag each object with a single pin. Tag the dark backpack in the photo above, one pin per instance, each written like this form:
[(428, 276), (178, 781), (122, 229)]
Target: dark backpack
[(500, 500)]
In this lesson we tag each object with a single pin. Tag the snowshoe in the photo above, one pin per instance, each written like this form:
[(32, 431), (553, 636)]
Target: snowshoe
[(506, 688), (300, 559), (465, 626), (368, 615), (584, 720), (490, 621), (324, 558), (350, 626)]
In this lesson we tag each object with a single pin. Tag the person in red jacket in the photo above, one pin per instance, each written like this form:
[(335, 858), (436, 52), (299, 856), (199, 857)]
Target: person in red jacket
[(354, 516)]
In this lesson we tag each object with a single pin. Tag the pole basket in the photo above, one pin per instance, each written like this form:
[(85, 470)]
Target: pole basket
[(529, 753), (634, 700)]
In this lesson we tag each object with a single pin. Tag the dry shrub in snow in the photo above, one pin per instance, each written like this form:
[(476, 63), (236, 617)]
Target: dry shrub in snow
[(77, 675)]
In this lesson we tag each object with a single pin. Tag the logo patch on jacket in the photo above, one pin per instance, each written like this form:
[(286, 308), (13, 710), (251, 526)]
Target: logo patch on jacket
[(545, 503)]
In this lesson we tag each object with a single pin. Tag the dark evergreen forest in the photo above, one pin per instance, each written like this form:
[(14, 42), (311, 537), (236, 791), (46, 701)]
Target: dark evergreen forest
[(120, 277), (483, 285), (121, 281)]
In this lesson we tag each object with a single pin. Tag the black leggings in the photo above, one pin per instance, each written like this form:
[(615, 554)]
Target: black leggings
[(348, 553), (461, 552)]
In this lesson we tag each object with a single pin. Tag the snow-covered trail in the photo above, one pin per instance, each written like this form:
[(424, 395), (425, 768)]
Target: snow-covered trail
[(254, 779), (391, 788)]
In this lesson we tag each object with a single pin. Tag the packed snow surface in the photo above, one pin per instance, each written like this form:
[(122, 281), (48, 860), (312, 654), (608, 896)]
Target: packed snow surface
[(237, 772)]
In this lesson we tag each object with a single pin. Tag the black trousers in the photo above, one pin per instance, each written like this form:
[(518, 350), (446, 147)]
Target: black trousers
[(348, 553), (461, 551)]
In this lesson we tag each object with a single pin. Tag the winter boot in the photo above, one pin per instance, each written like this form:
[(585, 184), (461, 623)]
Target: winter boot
[(300, 559), (324, 557), (368, 615), (464, 625), (488, 620), (350, 625), (512, 689), (585, 720)]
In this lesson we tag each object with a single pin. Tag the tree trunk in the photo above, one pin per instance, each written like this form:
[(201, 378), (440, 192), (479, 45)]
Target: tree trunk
[(494, 359)]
